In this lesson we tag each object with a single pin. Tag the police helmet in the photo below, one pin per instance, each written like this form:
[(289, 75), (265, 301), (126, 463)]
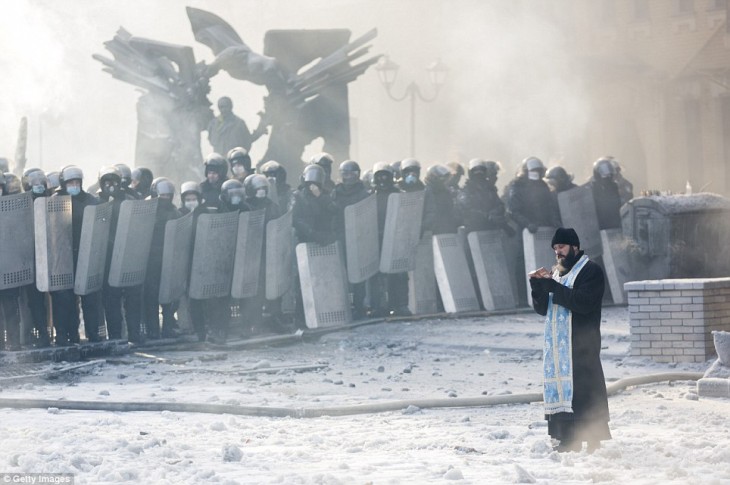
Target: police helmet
[(437, 174), (239, 155), (314, 174), (54, 180), (558, 177), (382, 174), (534, 163), (324, 160), (71, 172), (190, 187), (456, 169), (12, 184), (4, 165), (410, 165), (255, 182), (349, 172), (162, 186), (143, 176), (35, 179), (603, 168), (110, 174), (126, 173), (216, 163), (230, 190), (2, 182), (270, 168), (25, 181)]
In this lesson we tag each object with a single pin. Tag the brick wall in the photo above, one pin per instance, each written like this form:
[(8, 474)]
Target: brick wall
[(673, 320)]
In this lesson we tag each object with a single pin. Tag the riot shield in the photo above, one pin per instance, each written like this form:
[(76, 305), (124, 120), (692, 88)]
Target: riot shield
[(492, 270), (578, 210), (422, 280), (402, 231), (178, 247), (452, 274), (93, 246), (247, 262), (54, 264), (132, 242), (279, 256), (215, 245), (17, 264), (361, 240), (617, 263), (324, 285), (538, 253)]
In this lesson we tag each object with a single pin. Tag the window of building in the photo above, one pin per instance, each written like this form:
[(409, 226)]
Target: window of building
[(641, 11), (717, 5)]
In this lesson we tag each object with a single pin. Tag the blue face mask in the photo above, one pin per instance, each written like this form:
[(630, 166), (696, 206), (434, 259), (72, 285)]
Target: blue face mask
[(39, 189), (410, 179), (73, 191)]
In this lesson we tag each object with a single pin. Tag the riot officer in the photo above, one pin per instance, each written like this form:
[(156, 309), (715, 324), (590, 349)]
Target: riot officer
[(9, 309), (478, 202), (35, 182), (216, 172), (410, 169), (529, 200), (530, 204), (367, 179), (440, 215), (190, 197), (64, 302), (273, 170), (606, 194), (457, 172), (54, 181), (350, 190), (240, 162), (129, 298), (232, 197), (141, 182), (313, 214), (559, 180), (313, 210), (325, 160), (257, 312), (126, 174), (164, 190), (395, 286)]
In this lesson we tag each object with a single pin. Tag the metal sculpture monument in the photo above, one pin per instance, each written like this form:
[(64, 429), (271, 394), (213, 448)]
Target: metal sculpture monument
[(300, 106)]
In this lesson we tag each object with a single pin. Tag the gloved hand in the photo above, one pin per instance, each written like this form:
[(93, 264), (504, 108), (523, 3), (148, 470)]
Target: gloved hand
[(532, 228)]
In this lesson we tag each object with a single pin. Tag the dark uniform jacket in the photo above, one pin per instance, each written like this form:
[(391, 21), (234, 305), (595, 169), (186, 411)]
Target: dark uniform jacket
[(531, 204), (439, 213), (480, 207), (313, 217), (608, 203), (590, 402)]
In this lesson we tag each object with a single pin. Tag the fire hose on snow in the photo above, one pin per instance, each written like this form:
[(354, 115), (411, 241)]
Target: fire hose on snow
[(284, 412)]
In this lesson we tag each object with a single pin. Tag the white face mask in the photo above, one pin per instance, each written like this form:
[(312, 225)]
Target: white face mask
[(238, 169), (261, 193), (533, 175), (191, 204), (235, 200), (39, 189)]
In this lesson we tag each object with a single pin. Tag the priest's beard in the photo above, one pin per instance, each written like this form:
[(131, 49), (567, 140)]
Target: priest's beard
[(565, 263)]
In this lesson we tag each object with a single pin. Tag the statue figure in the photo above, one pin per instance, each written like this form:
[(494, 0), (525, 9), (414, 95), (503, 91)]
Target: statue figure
[(299, 107)]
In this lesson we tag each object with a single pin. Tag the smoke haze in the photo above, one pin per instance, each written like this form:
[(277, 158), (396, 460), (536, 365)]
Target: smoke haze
[(509, 93)]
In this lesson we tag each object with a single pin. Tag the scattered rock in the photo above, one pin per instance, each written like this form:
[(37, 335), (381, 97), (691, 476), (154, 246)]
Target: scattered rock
[(453, 474), (411, 409), (104, 393)]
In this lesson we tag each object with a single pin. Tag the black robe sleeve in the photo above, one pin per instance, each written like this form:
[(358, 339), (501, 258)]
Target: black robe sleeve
[(586, 294)]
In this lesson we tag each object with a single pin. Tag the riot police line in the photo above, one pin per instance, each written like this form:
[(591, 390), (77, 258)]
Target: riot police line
[(249, 255)]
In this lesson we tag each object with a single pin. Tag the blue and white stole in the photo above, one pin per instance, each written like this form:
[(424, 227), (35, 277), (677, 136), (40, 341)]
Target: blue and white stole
[(557, 354)]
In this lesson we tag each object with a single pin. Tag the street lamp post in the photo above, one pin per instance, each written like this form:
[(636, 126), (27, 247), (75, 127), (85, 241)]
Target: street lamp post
[(388, 71)]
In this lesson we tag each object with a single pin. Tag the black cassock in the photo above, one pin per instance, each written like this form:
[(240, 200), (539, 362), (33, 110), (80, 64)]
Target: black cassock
[(589, 419)]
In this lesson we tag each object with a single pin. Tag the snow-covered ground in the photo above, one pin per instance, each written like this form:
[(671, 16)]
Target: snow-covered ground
[(661, 432)]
